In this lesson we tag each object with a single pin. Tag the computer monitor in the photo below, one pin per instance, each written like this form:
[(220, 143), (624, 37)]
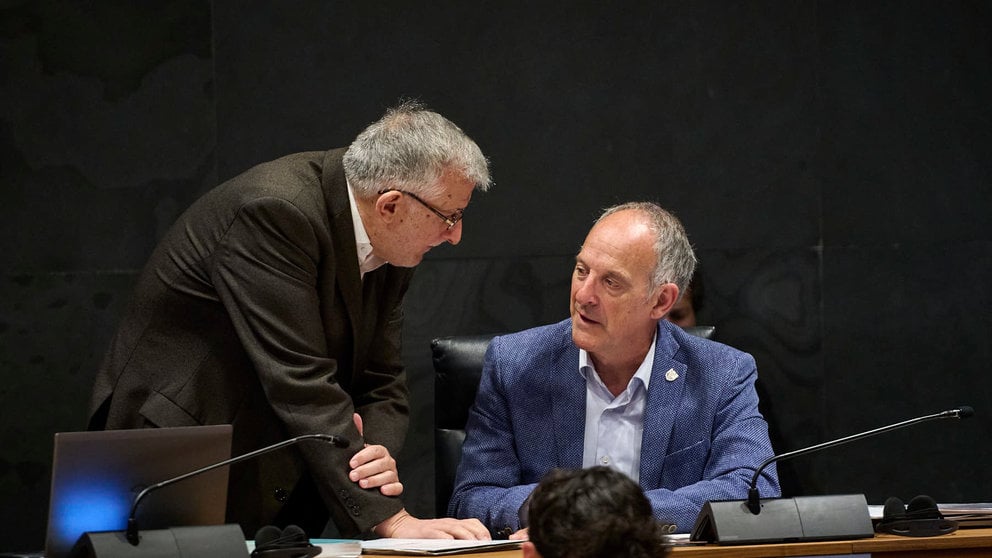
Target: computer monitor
[(96, 476)]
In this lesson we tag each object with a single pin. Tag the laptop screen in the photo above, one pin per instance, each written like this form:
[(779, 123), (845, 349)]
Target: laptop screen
[(96, 476)]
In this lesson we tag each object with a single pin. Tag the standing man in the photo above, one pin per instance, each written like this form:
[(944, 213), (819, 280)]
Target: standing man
[(616, 385), (275, 304)]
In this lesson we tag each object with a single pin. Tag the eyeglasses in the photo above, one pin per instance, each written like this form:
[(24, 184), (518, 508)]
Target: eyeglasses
[(449, 220)]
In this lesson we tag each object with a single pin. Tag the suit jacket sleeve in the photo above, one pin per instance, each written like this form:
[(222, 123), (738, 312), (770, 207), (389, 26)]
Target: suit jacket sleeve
[(488, 483), (266, 274)]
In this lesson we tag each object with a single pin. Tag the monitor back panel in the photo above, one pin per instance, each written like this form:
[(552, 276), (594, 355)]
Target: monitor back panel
[(96, 476)]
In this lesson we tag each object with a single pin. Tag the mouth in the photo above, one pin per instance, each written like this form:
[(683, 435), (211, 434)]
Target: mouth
[(583, 319)]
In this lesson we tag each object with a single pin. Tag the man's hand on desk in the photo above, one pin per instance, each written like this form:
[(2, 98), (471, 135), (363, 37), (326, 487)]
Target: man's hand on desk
[(373, 467), (405, 526), (520, 535)]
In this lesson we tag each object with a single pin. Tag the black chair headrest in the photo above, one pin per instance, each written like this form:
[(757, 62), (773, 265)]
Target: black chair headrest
[(457, 369)]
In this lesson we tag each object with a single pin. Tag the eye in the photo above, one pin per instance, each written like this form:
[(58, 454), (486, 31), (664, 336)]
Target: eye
[(581, 271)]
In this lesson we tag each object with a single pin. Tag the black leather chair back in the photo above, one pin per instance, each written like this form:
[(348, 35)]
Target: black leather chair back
[(457, 369)]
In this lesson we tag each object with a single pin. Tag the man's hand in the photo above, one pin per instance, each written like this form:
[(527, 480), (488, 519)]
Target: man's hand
[(405, 526), (520, 535), (373, 467)]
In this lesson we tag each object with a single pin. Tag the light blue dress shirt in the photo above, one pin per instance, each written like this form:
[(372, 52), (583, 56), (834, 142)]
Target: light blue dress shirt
[(615, 425)]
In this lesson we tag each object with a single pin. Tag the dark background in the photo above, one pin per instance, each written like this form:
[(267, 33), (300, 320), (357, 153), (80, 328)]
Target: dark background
[(831, 161)]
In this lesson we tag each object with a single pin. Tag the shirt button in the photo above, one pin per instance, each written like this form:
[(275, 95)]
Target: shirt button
[(605, 460)]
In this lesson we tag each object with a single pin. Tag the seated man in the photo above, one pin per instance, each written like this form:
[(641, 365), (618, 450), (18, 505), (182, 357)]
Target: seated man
[(616, 385), (589, 513)]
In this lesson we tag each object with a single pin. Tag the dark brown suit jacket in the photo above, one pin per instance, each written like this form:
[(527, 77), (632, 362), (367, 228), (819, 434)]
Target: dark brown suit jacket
[(251, 312)]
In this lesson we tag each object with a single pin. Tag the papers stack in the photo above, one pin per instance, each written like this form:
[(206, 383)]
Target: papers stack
[(433, 547)]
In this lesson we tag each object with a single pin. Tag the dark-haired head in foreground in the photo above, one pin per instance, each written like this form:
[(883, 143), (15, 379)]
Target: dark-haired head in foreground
[(590, 513)]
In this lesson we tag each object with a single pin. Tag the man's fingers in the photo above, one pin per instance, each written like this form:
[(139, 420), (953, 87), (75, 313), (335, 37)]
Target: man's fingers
[(467, 529), (404, 526), (371, 454), (358, 424), (373, 467), (392, 489), (384, 478), (447, 528)]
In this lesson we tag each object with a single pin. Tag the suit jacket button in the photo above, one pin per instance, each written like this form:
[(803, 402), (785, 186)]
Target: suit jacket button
[(281, 494), (356, 510)]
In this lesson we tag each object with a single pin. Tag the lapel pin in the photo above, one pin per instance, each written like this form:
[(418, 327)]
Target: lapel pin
[(671, 375)]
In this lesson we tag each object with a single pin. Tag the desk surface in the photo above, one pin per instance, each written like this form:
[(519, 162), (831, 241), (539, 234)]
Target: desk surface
[(963, 542)]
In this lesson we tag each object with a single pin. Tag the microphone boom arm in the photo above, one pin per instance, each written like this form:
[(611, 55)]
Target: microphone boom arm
[(132, 522), (753, 497)]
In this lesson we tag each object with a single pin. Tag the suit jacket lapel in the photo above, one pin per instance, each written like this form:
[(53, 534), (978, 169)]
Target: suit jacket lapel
[(568, 405), (348, 276), (664, 397)]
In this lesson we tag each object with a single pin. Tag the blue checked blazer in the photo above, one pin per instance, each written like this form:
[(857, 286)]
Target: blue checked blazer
[(703, 434)]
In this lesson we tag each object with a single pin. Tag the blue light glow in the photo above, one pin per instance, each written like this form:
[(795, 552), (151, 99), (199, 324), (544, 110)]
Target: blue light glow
[(93, 507)]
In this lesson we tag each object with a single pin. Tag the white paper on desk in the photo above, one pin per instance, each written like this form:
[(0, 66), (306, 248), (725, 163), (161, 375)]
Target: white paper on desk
[(433, 547)]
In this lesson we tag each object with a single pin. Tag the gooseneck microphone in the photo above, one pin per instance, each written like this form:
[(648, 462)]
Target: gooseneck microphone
[(802, 518), (132, 522), (754, 497)]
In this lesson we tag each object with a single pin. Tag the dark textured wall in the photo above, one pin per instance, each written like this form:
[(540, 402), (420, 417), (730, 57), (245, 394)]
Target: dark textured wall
[(831, 161)]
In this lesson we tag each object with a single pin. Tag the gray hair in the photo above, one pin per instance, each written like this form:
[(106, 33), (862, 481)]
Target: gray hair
[(408, 149), (676, 261)]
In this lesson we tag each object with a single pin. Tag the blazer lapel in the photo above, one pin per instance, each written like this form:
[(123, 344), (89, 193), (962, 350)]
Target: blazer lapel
[(568, 406), (665, 393), (347, 274)]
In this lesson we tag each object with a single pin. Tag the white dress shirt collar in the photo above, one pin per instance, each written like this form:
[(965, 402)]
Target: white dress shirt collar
[(643, 372), (367, 261)]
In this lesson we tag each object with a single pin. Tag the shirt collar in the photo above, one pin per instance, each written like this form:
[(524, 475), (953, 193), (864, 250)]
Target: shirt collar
[(366, 260), (643, 373)]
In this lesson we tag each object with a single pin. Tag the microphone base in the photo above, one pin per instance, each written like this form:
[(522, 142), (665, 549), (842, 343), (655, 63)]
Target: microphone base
[(216, 541), (799, 519)]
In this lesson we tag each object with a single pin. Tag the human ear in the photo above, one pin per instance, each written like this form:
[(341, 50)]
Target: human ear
[(386, 204), (665, 299)]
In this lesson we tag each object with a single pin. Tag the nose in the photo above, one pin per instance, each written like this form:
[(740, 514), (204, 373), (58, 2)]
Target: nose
[(585, 292), (454, 234)]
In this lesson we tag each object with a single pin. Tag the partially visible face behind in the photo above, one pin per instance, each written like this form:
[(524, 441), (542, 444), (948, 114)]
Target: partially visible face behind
[(417, 229), (614, 310), (683, 314)]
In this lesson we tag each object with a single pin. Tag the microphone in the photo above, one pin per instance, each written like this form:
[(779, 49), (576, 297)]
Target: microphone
[(754, 498), (132, 522), (803, 518), (106, 544)]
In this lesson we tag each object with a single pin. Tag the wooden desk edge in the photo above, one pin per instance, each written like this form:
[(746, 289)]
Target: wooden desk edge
[(962, 539), (977, 542)]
